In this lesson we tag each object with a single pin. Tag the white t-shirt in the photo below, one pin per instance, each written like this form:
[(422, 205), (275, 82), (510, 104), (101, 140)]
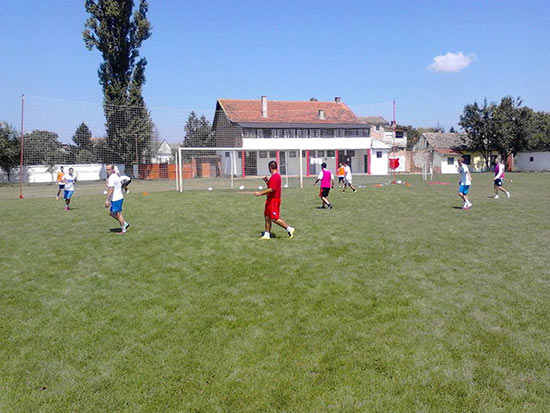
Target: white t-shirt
[(347, 171), (69, 182), (114, 182), (464, 176)]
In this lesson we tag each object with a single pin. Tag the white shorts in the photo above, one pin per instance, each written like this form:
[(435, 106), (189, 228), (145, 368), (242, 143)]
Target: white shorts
[(347, 181)]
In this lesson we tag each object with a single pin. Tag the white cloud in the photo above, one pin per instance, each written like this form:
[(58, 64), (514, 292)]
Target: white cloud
[(451, 62)]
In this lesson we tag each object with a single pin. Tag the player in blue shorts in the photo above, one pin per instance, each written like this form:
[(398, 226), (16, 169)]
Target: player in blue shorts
[(464, 183), (115, 198)]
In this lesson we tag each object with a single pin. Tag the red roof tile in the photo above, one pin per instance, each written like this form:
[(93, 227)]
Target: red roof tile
[(287, 112)]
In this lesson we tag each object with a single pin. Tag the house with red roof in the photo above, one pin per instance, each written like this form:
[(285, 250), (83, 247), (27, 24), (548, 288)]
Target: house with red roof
[(300, 135)]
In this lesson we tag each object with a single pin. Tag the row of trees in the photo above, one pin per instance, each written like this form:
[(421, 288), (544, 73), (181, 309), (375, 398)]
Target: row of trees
[(506, 127)]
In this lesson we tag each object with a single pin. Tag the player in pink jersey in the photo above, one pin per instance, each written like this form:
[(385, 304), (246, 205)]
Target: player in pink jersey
[(327, 182), (273, 202)]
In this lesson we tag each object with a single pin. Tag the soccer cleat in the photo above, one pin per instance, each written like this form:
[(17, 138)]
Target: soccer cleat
[(330, 206), (507, 194), (291, 233), (495, 197), (56, 197), (265, 236), (354, 190), (66, 208), (126, 226)]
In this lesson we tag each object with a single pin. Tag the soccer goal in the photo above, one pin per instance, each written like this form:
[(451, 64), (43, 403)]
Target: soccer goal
[(232, 168)]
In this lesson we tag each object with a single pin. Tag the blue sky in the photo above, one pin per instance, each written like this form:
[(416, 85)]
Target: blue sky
[(432, 57)]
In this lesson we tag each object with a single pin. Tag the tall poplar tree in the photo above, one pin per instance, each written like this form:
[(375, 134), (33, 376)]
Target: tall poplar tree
[(117, 32)]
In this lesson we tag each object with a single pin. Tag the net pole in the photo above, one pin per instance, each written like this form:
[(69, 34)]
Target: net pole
[(177, 171), (232, 159), (301, 171), (181, 171), (22, 146)]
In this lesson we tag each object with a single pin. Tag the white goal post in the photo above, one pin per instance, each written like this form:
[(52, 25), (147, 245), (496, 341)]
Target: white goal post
[(231, 168)]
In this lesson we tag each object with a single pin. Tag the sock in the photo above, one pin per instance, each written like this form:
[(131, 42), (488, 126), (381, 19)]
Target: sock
[(289, 228)]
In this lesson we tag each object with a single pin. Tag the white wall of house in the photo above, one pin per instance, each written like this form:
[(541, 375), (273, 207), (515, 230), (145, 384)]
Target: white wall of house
[(442, 161), (532, 161)]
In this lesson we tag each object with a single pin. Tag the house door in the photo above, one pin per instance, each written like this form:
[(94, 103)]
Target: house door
[(251, 163), (366, 157)]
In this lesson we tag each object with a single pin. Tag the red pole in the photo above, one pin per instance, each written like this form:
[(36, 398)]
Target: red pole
[(243, 163), (278, 159), (22, 147), (336, 153), (307, 163)]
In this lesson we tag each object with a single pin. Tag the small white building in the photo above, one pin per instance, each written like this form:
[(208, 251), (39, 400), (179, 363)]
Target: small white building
[(532, 161)]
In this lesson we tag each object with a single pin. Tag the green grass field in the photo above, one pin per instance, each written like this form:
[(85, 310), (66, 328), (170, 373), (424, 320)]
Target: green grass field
[(396, 300)]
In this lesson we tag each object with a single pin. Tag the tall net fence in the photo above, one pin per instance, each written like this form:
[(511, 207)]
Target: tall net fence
[(141, 142)]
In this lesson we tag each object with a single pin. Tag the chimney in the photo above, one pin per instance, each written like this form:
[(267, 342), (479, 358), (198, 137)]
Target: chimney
[(264, 106), (321, 114), (338, 99)]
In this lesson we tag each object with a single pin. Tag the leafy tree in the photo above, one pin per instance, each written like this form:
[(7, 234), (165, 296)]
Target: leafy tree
[(539, 131), (82, 137), (452, 130), (118, 33), (9, 148), (43, 148), (480, 127), (512, 123)]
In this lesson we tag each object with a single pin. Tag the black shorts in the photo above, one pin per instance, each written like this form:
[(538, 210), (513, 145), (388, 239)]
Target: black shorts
[(498, 182), (324, 192), (340, 179)]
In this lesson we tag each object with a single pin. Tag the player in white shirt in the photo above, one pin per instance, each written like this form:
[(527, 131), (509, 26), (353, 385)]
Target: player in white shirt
[(115, 198), (347, 178), (69, 180), (464, 183)]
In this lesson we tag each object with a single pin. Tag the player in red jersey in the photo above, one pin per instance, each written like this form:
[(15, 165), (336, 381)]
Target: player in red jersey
[(273, 202)]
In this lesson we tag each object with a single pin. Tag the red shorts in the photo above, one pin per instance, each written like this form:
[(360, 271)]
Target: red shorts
[(272, 207)]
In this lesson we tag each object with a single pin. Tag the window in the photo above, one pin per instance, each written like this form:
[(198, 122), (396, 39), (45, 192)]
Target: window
[(350, 132), (292, 154), (249, 133), (352, 153), (301, 133), (377, 126), (451, 161), (320, 154), (467, 159), (314, 133), (378, 154), (266, 133), (227, 155), (531, 159), (263, 154), (330, 154), (240, 154), (327, 133), (399, 135), (273, 154), (277, 133), (289, 133)]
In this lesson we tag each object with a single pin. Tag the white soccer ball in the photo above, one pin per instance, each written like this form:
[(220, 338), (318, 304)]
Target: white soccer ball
[(399, 182), (209, 188), (241, 187), (104, 192), (511, 181), (286, 185), (260, 187)]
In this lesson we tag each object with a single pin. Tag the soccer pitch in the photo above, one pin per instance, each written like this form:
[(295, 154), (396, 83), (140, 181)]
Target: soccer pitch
[(395, 300)]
